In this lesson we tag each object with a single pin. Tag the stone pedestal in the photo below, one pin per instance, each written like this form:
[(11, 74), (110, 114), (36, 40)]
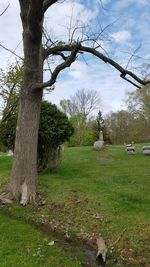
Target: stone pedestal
[(99, 144)]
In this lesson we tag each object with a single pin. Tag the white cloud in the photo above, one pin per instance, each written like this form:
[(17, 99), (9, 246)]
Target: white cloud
[(97, 76), (121, 36), (126, 3), (70, 14), (10, 32), (78, 70)]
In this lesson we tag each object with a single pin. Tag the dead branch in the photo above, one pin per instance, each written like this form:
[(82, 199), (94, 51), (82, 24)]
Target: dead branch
[(12, 52), (133, 55), (4, 10)]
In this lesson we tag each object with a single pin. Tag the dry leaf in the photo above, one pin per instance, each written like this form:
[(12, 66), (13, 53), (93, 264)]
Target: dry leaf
[(51, 243)]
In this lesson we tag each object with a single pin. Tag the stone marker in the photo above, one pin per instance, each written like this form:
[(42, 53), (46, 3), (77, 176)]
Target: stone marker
[(146, 150), (128, 145), (10, 153), (99, 144), (130, 150)]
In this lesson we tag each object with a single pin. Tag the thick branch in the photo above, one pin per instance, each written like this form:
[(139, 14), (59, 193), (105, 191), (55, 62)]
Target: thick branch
[(68, 61), (47, 4), (123, 77), (61, 55), (124, 72)]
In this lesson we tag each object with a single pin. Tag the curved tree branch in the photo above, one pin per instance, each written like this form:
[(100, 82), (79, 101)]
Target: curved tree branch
[(93, 51), (68, 61), (47, 4)]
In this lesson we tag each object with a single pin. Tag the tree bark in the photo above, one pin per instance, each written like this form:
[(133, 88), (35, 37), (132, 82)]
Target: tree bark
[(24, 172)]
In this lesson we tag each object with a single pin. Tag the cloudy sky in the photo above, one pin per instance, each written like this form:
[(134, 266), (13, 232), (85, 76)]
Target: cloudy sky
[(126, 24)]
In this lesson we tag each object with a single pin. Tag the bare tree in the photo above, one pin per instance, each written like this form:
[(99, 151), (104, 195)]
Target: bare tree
[(68, 107), (24, 171), (83, 102)]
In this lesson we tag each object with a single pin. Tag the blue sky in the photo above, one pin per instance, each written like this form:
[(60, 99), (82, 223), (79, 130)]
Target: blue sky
[(120, 40)]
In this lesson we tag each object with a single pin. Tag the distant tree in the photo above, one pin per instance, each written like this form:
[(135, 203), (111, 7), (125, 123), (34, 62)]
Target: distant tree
[(138, 102), (119, 126), (79, 123), (83, 102), (79, 108), (10, 84), (68, 107)]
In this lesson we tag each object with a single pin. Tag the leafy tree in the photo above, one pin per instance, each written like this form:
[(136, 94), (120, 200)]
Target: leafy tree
[(8, 130), (118, 125), (138, 103), (10, 84), (79, 108), (24, 170), (124, 126), (79, 123), (54, 129)]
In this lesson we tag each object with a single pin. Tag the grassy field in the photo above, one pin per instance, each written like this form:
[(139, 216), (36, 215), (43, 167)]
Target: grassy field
[(21, 245), (95, 193)]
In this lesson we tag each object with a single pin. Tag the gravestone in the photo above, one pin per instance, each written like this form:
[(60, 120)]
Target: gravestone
[(130, 148), (146, 150), (99, 144), (10, 153)]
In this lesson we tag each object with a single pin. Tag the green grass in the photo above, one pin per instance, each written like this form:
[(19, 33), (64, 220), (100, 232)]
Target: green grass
[(96, 193), (23, 246)]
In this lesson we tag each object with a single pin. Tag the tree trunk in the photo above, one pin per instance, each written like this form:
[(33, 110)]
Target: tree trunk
[(24, 172), (49, 159)]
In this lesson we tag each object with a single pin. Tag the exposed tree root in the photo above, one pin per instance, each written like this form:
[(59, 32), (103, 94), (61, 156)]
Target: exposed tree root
[(24, 197), (5, 198)]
